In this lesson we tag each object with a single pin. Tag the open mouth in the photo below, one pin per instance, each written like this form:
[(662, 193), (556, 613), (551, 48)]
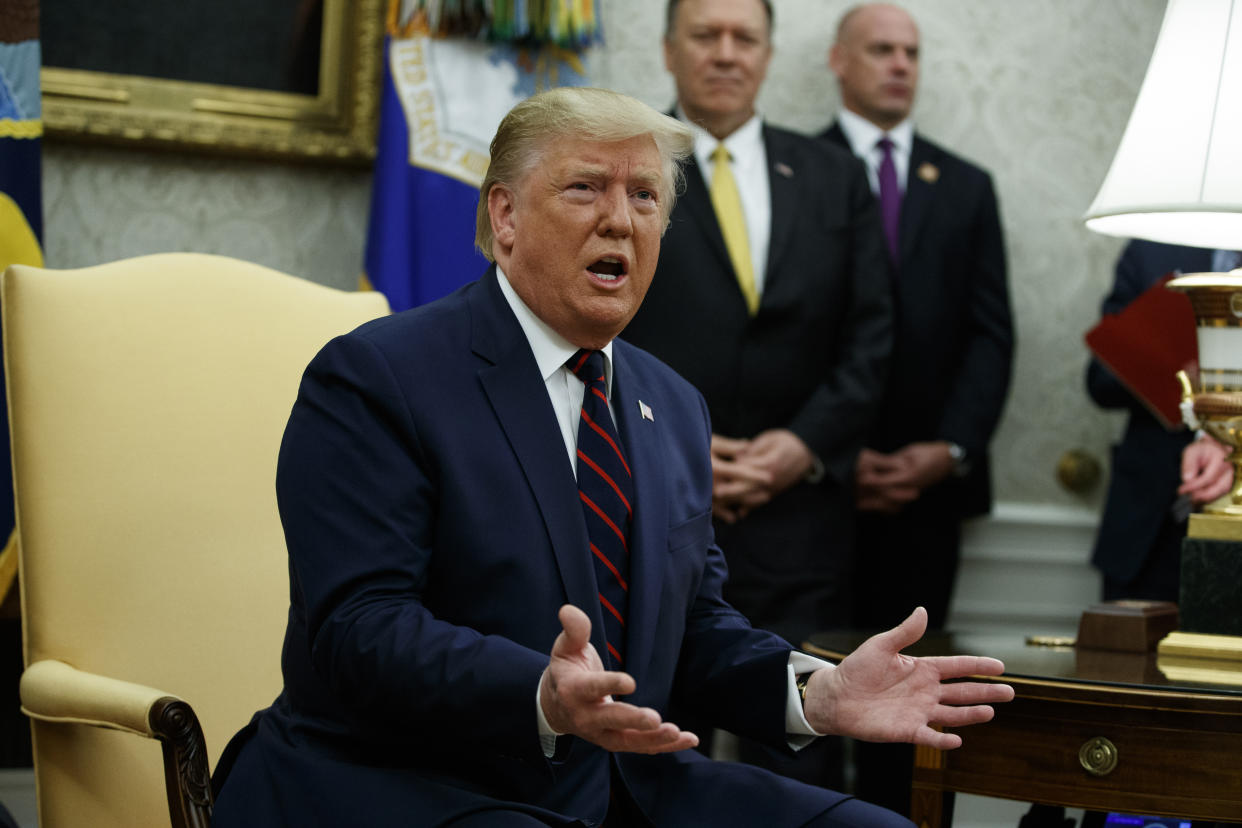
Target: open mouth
[(608, 268)]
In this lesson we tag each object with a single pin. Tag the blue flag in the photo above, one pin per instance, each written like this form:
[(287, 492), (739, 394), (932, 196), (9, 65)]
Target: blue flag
[(21, 203), (442, 101)]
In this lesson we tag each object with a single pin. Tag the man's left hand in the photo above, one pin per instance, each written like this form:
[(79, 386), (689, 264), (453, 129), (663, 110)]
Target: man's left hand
[(879, 695), (780, 453)]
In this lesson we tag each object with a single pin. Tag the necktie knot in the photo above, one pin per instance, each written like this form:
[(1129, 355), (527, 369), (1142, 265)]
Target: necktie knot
[(587, 366), (720, 155)]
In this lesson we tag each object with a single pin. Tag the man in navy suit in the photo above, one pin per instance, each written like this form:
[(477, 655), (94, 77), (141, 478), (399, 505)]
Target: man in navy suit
[(1139, 542), (925, 465), (447, 660)]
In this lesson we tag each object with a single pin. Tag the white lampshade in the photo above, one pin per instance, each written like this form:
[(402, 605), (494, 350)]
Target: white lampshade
[(1177, 176)]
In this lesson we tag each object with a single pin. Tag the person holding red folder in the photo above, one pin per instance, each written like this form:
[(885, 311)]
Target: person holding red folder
[(1138, 545)]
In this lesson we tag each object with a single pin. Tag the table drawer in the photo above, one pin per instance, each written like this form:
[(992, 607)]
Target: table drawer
[(1166, 761)]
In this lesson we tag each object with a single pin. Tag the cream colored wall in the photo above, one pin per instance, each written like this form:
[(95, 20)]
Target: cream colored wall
[(1036, 92)]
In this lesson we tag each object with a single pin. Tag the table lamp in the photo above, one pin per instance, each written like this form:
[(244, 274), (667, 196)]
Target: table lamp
[(1177, 178)]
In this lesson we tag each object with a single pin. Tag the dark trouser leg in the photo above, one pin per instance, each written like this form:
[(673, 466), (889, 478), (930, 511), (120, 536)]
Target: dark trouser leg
[(904, 561), (820, 763), (854, 813)]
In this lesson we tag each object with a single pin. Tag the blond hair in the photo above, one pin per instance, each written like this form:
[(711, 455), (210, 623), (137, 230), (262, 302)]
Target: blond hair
[(577, 112)]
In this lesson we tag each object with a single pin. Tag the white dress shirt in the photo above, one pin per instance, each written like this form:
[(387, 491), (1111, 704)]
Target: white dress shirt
[(864, 138), (750, 171), (566, 391)]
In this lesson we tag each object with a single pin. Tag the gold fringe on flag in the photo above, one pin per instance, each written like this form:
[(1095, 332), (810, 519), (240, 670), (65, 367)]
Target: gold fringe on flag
[(571, 25)]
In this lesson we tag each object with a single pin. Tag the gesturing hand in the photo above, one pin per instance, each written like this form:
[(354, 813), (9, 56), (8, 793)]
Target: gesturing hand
[(576, 694), (879, 695)]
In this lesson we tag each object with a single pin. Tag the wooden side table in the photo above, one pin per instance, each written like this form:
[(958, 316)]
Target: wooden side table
[(1098, 730)]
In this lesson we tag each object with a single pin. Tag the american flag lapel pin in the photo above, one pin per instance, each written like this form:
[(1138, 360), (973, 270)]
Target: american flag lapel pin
[(645, 411)]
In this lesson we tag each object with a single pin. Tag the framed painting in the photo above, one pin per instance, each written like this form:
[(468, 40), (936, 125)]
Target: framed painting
[(295, 79)]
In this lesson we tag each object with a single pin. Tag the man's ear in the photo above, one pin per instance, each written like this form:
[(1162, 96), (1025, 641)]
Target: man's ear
[(501, 209), (834, 60)]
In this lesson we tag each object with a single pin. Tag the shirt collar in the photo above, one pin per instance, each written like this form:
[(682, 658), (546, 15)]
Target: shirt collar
[(863, 135), (551, 350), (744, 143)]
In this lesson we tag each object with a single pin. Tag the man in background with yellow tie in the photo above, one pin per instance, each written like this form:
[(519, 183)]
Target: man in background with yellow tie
[(772, 298), (925, 467)]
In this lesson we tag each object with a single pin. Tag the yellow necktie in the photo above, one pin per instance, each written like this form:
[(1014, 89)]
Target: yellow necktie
[(728, 206)]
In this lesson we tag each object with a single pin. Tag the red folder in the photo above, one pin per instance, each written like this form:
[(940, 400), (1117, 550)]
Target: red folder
[(1147, 344)]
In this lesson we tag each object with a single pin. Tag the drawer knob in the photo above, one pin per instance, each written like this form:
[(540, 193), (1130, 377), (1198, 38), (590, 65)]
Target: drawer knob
[(1098, 756)]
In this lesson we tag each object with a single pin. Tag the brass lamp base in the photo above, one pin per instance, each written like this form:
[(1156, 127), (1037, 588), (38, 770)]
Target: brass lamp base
[(1216, 525), (1202, 645), (1201, 658)]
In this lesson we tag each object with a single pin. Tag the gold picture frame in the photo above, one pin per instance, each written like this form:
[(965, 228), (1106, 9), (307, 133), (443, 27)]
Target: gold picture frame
[(338, 124)]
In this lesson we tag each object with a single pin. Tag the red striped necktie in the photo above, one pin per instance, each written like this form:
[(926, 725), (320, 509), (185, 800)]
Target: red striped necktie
[(606, 490)]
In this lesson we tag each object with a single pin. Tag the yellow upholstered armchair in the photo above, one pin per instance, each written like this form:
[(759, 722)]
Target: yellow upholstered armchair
[(147, 399)]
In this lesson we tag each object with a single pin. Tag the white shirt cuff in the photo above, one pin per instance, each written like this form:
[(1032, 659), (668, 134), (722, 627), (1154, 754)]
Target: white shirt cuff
[(547, 736), (797, 728)]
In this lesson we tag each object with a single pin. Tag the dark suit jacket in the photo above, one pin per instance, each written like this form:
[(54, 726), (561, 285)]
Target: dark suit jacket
[(953, 329), (812, 360), (434, 529), (1146, 463)]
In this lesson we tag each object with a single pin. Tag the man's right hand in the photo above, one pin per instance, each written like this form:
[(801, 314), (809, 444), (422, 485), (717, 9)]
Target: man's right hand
[(1206, 471), (576, 695), (737, 486)]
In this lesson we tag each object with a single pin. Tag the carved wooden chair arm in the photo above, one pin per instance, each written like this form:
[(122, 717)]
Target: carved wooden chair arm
[(53, 691)]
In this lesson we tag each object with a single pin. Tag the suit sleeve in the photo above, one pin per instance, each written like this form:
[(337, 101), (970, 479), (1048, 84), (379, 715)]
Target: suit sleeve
[(835, 418), (358, 501), (977, 394)]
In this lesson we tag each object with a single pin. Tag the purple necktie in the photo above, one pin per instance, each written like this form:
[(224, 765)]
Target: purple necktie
[(890, 196)]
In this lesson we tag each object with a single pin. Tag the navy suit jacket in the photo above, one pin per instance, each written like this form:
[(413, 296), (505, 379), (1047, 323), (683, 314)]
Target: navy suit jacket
[(1146, 464), (434, 529), (953, 329)]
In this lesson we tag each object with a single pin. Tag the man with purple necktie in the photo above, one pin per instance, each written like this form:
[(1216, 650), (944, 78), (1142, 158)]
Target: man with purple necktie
[(925, 465)]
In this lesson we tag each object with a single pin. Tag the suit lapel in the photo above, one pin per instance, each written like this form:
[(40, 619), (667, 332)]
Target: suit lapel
[(649, 532), (782, 171), (698, 203), (922, 179), (513, 386)]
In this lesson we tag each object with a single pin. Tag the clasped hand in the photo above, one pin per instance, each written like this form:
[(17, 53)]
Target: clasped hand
[(748, 473), (889, 482)]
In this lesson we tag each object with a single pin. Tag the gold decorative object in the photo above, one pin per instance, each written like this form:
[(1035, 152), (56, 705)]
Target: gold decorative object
[(1098, 756), (1216, 404), (337, 124)]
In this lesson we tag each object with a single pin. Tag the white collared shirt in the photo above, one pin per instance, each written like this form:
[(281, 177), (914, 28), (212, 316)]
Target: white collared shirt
[(566, 391), (750, 171), (864, 138), (551, 352)]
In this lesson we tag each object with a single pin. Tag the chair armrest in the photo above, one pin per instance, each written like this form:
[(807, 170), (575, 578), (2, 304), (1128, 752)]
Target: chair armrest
[(52, 691)]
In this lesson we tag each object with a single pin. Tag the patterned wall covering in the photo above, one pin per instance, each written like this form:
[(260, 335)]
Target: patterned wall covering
[(1037, 92)]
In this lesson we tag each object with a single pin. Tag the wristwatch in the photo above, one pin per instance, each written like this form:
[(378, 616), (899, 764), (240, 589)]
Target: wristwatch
[(961, 462), (800, 681)]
